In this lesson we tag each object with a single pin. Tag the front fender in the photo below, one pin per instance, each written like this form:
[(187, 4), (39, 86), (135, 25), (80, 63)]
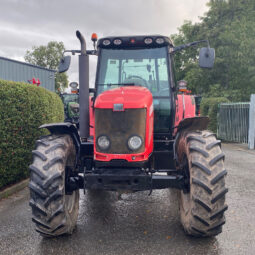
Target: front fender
[(194, 123), (61, 128), (187, 125), (65, 128)]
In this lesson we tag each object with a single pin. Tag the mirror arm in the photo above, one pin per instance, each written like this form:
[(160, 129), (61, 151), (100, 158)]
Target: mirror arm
[(72, 51), (92, 90), (89, 52), (92, 52), (184, 46)]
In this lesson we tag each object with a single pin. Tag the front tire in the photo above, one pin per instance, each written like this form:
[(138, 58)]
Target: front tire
[(202, 204), (53, 211)]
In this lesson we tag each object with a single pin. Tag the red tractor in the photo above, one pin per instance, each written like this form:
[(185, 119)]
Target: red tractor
[(135, 133)]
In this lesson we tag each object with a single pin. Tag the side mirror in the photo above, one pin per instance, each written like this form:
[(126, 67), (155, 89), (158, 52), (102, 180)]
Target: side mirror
[(206, 57), (64, 64)]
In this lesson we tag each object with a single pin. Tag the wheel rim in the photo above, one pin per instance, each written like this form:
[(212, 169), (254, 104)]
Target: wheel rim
[(70, 202), (69, 199), (185, 195)]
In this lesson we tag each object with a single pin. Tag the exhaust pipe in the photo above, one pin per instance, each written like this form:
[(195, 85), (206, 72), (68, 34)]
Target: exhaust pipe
[(83, 88), (82, 41)]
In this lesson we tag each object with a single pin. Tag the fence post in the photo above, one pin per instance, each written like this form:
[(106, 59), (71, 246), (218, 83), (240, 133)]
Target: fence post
[(251, 139)]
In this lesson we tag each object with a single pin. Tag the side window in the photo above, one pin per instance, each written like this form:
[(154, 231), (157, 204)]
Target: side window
[(163, 76), (162, 70), (174, 70)]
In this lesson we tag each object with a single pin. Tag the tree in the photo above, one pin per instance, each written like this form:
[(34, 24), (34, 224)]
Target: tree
[(49, 57), (230, 28)]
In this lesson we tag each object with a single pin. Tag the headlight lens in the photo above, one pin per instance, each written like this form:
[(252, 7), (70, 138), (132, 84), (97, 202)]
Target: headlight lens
[(103, 142), (135, 142)]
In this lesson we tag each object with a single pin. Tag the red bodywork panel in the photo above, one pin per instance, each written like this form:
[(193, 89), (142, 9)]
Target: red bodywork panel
[(185, 108), (130, 97)]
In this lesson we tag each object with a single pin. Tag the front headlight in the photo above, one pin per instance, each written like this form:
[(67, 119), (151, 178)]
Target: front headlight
[(135, 142), (103, 142)]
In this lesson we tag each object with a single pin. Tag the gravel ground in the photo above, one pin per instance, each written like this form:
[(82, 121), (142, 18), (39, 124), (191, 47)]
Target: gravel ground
[(138, 223)]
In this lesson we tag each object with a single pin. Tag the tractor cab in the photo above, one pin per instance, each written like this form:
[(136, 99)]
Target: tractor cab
[(138, 61), (71, 103)]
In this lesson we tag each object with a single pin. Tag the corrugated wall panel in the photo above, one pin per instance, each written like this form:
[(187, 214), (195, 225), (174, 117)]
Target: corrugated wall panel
[(233, 122), (18, 71)]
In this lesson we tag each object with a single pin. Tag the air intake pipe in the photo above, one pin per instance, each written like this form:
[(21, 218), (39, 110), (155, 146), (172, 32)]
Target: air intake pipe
[(83, 88)]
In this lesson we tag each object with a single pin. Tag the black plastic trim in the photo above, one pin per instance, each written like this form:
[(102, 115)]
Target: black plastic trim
[(131, 179)]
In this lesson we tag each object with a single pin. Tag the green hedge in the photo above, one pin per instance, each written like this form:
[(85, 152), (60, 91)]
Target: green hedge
[(23, 108), (209, 107)]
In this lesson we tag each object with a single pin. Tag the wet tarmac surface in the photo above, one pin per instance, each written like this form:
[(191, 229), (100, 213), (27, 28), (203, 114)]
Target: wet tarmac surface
[(138, 223)]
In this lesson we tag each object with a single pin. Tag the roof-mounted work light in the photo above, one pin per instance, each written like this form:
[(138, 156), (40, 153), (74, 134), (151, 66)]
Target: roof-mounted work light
[(148, 40)]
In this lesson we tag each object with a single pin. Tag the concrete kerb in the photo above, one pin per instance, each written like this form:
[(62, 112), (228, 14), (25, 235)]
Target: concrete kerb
[(13, 189)]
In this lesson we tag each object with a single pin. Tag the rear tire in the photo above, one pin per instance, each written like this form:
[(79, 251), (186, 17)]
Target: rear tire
[(53, 211), (203, 205)]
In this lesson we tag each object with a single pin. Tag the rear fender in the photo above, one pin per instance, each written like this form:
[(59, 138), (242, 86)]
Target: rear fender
[(188, 125)]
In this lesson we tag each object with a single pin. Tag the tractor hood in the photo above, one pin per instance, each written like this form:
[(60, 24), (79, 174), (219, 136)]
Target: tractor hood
[(123, 98)]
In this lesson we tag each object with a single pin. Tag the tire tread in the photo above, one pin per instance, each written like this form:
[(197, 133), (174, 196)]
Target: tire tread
[(205, 215), (47, 186)]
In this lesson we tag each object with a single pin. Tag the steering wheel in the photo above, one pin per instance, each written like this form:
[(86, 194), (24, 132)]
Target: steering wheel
[(145, 83)]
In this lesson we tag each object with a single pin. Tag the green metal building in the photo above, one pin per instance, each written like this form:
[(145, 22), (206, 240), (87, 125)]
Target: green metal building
[(14, 70)]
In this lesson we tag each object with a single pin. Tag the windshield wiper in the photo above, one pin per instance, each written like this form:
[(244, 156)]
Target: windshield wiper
[(114, 84)]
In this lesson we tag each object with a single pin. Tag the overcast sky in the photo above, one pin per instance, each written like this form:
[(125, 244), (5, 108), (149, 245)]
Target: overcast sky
[(24, 23)]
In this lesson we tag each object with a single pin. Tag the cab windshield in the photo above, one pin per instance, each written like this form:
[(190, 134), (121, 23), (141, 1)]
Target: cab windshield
[(141, 67), (144, 67)]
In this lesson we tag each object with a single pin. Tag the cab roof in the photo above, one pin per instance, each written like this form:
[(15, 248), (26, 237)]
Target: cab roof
[(136, 41)]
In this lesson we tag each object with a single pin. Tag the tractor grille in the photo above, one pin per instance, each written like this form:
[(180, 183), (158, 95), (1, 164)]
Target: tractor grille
[(119, 126)]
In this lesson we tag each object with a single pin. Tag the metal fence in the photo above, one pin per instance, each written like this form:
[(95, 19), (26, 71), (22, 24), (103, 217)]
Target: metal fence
[(233, 122)]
